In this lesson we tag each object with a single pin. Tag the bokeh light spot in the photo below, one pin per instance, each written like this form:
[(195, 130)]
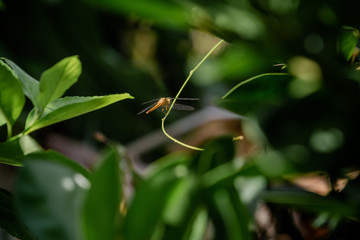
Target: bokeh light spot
[(326, 141), (68, 184)]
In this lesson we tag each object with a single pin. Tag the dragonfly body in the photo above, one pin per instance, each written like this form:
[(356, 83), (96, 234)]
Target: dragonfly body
[(165, 103)]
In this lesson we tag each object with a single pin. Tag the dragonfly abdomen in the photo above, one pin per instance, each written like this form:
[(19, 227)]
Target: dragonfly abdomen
[(161, 102)]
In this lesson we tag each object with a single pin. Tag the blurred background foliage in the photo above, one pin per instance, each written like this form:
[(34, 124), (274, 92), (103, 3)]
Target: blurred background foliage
[(303, 115)]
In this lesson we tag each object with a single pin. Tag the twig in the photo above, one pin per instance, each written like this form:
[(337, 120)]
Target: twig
[(178, 94)]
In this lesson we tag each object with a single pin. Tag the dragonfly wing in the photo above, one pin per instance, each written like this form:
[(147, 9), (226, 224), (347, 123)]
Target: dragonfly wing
[(145, 109), (157, 99), (182, 107), (154, 100), (186, 98)]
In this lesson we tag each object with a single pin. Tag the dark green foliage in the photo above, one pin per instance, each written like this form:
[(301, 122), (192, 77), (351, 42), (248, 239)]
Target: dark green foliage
[(291, 69), (10, 220)]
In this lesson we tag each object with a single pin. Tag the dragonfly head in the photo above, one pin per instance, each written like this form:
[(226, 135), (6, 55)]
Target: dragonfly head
[(168, 100)]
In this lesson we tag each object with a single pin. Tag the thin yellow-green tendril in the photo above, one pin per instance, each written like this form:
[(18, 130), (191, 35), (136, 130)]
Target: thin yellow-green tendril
[(178, 94)]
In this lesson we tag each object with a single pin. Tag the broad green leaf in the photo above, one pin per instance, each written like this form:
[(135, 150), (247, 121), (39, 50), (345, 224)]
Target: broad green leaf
[(145, 213), (264, 89), (29, 84), (181, 206), (180, 199), (165, 13), (2, 120), (101, 208), (227, 172), (12, 99), (29, 145), (57, 79), (218, 171), (198, 228), (233, 214), (49, 192), (311, 202), (9, 219), (69, 107), (167, 162), (348, 39), (12, 151)]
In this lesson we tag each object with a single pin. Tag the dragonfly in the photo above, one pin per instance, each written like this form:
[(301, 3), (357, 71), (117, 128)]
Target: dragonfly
[(165, 103)]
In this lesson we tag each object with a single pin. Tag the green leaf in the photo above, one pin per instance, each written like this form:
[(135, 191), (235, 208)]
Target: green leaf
[(70, 107), (12, 99), (57, 79), (348, 39), (146, 210), (9, 161), (198, 228), (49, 191), (2, 120), (165, 13), (29, 84), (179, 200), (227, 172), (181, 206), (9, 219), (264, 89), (12, 151), (311, 202), (102, 203), (233, 214)]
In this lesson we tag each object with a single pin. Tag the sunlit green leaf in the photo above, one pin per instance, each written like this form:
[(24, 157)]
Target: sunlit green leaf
[(12, 151), (180, 199), (218, 174), (2, 120), (49, 191), (147, 207), (70, 107), (227, 172), (57, 79), (181, 206), (31, 86), (167, 162), (348, 39), (102, 202), (9, 219), (12, 98), (198, 228)]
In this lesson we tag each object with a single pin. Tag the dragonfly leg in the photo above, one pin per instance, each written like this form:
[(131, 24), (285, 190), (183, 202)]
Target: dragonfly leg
[(165, 108)]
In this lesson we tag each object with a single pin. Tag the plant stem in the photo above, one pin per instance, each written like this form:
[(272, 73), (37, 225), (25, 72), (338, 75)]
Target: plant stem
[(9, 130), (178, 94)]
